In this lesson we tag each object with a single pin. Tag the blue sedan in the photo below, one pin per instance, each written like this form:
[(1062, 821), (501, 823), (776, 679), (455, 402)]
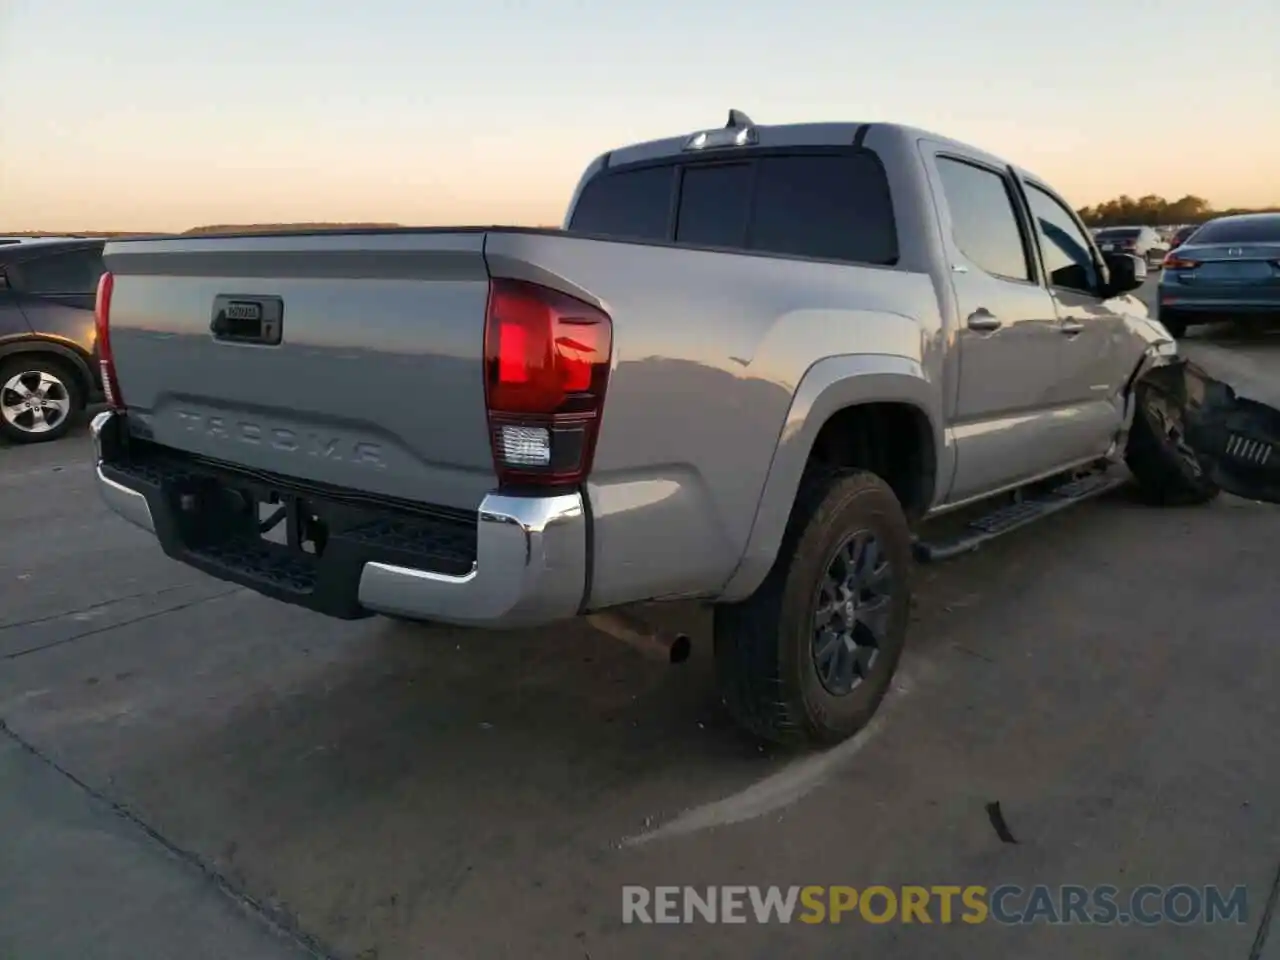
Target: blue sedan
[(1228, 270)]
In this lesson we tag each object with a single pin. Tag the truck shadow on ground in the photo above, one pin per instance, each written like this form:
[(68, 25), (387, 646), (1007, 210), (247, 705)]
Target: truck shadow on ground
[(421, 752)]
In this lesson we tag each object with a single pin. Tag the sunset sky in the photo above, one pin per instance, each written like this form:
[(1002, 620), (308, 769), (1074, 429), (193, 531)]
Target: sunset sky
[(158, 115)]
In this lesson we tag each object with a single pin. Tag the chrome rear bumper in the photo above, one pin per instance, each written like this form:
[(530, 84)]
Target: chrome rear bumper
[(530, 563)]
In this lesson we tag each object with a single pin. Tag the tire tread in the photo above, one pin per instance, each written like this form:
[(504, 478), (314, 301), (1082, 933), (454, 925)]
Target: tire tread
[(747, 633)]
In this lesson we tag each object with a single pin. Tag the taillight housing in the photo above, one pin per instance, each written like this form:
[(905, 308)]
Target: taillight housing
[(1174, 262), (102, 329), (546, 357)]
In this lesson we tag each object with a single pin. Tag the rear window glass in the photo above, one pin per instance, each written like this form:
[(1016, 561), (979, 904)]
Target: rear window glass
[(1261, 230), (826, 206), (714, 202), (829, 207), (1120, 233), (630, 205)]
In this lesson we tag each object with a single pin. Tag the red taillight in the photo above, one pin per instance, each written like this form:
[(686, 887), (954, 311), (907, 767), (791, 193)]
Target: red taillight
[(546, 369), (102, 327), (1174, 262)]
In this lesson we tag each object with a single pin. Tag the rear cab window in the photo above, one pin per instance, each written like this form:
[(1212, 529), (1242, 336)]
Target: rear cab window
[(820, 204), (715, 202), (628, 205)]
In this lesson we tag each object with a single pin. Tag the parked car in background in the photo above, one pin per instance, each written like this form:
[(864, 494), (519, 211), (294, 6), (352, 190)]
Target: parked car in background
[(1141, 242), (21, 238), (48, 361), (1228, 270), (1182, 235)]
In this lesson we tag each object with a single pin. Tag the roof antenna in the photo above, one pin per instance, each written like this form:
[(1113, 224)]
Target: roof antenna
[(738, 120)]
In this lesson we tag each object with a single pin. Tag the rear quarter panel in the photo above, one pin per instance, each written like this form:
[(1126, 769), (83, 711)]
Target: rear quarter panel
[(710, 349)]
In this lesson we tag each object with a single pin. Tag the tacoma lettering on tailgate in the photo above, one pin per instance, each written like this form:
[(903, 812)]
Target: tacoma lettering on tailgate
[(283, 439)]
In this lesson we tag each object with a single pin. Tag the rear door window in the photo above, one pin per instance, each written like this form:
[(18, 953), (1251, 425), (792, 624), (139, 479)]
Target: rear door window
[(984, 223), (629, 205)]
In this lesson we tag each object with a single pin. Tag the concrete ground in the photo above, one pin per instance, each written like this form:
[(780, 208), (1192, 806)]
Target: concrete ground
[(188, 770)]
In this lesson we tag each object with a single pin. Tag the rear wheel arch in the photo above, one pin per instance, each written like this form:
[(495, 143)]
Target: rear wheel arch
[(891, 439), (853, 412)]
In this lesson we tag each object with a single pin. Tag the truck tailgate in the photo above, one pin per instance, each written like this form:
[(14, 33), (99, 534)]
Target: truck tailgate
[(375, 383)]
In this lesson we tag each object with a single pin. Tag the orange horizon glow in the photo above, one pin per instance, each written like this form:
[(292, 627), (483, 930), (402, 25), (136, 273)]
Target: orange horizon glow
[(164, 118)]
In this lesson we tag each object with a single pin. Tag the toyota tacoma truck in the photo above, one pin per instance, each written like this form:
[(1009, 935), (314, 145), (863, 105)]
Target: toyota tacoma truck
[(753, 367)]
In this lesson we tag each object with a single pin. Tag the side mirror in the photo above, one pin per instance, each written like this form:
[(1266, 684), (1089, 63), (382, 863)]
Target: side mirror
[(1127, 273)]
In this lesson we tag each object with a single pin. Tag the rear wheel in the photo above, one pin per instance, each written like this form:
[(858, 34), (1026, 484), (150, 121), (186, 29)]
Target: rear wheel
[(38, 399), (810, 655), (1167, 470)]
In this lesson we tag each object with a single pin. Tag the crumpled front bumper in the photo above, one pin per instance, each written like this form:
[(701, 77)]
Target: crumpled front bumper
[(1236, 440)]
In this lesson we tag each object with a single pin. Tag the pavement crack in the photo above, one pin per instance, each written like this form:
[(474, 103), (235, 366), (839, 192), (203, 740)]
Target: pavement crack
[(277, 920), (150, 615), (33, 621), (971, 652), (1268, 914)]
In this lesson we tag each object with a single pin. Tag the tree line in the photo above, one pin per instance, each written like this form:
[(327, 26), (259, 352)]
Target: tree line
[(1155, 211)]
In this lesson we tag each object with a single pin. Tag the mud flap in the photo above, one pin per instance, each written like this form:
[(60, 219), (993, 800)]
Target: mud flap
[(1234, 438)]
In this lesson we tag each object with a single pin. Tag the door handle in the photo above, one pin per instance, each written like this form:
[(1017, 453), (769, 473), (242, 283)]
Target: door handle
[(983, 320), (1071, 326)]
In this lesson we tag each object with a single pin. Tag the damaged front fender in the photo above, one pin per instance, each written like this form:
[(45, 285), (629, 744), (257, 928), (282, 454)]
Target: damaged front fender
[(1233, 438)]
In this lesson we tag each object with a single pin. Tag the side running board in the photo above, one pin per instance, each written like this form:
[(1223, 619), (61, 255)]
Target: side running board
[(1014, 515)]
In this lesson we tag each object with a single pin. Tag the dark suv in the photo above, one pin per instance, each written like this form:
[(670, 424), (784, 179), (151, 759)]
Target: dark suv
[(48, 367)]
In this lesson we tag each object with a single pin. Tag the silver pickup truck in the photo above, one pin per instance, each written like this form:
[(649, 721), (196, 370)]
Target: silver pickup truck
[(751, 369)]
